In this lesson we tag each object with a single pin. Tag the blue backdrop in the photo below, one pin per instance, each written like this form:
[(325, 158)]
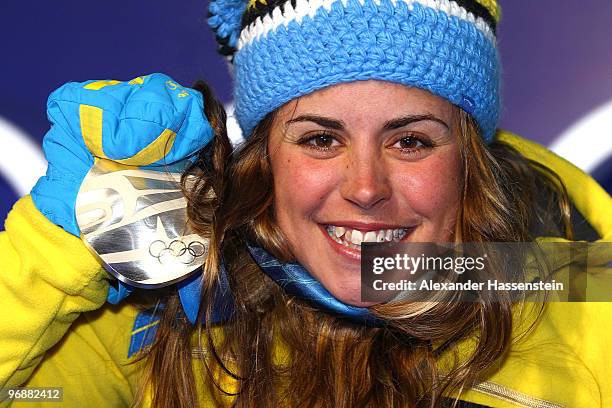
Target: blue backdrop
[(557, 70)]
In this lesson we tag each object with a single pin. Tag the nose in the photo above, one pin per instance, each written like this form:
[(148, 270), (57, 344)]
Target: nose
[(365, 182)]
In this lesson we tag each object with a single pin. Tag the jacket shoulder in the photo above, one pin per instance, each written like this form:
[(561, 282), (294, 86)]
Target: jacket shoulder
[(588, 197)]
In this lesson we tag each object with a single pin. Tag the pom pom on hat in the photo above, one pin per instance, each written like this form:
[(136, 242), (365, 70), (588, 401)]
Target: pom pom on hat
[(225, 18)]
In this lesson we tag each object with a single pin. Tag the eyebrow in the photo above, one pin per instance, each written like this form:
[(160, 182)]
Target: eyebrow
[(406, 120), (319, 120), (389, 125)]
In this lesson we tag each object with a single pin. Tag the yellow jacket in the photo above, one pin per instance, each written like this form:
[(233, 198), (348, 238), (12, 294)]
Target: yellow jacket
[(57, 331)]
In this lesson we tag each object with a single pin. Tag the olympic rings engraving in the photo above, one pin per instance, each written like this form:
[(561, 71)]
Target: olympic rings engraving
[(176, 250)]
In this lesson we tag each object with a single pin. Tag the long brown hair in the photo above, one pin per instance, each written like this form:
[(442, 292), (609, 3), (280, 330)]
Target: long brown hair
[(280, 351)]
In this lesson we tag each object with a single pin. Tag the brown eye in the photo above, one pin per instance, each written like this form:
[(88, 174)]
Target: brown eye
[(410, 142), (413, 146), (323, 141)]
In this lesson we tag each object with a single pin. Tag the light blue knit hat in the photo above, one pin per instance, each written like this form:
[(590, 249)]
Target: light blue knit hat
[(283, 49)]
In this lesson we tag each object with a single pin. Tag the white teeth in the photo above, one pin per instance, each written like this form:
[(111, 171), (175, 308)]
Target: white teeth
[(353, 238), (370, 236), (356, 237)]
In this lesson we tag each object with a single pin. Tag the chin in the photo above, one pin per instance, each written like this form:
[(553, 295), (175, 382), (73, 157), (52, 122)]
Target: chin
[(350, 296)]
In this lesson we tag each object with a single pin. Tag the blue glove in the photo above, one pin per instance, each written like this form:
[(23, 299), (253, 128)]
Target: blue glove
[(150, 120)]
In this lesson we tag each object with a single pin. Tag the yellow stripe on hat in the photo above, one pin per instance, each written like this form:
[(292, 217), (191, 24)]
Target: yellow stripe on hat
[(492, 7)]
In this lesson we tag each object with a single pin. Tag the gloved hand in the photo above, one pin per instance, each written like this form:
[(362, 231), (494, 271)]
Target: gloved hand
[(149, 120)]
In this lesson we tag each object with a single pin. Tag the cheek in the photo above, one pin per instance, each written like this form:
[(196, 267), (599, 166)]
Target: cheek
[(300, 184), (432, 187)]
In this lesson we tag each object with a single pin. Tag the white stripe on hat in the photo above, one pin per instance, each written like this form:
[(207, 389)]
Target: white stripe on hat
[(262, 26)]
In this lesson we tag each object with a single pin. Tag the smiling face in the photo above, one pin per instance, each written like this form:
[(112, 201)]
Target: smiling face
[(363, 161)]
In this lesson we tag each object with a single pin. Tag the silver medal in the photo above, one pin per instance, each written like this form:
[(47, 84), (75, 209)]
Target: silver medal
[(135, 220)]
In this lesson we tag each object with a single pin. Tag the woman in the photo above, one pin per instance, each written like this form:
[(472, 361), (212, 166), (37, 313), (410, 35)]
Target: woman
[(360, 118)]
